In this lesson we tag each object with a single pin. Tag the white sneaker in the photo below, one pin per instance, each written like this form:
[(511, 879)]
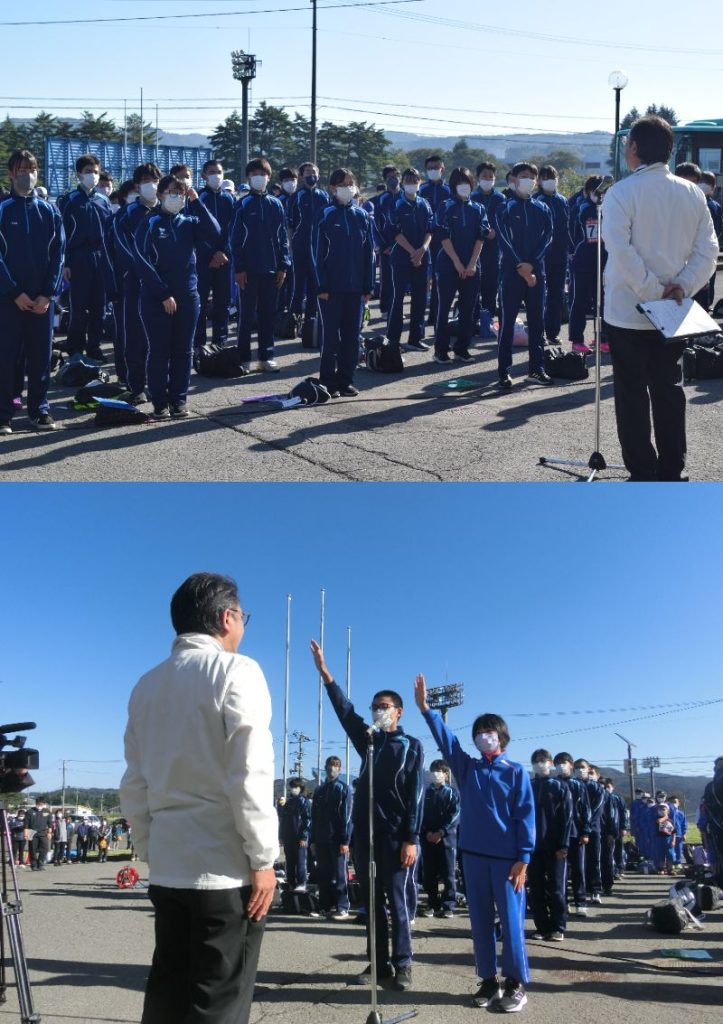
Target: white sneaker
[(299, 888), (579, 911), (269, 366), (341, 915), (596, 898), (246, 367)]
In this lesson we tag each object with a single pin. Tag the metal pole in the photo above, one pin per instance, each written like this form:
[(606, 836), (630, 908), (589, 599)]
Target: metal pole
[(244, 125), (652, 781), (372, 908), (63, 801), (141, 128), (348, 697), (286, 688), (321, 687), (156, 133), (631, 773), (312, 149), (125, 139), (617, 111)]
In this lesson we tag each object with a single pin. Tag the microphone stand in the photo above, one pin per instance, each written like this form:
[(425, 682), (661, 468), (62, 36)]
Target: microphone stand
[(596, 463)]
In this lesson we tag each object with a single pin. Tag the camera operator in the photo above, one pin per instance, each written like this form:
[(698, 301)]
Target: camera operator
[(198, 791), (38, 829)]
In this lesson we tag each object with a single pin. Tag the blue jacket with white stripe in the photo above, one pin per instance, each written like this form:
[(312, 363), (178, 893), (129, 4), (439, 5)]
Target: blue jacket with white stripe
[(222, 206), (413, 219), (86, 219), (491, 202), (343, 250), (560, 213), (553, 814), (524, 227), (166, 246), (124, 226), (32, 243), (303, 211), (441, 813), (436, 193), (331, 809), (259, 239), (295, 820), (463, 223)]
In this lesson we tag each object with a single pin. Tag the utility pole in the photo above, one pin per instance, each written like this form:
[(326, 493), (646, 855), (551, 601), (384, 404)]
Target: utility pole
[(630, 765), (321, 687), (243, 68), (141, 127), (286, 688), (312, 149), (65, 765), (301, 739), (348, 697), (651, 763)]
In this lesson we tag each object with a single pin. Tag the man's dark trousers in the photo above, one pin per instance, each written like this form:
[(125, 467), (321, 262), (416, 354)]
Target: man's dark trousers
[(647, 376), (547, 876), (392, 883), (206, 955), (576, 861), (331, 868), (87, 294), (39, 846), (439, 863), (31, 334)]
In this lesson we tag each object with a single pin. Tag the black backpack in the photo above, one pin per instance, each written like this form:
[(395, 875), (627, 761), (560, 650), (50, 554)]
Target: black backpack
[(76, 373), (87, 396), (668, 917), (213, 360), (707, 897), (382, 356), (702, 363), (298, 902), (286, 326), (311, 391), (112, 413), (565, 365)]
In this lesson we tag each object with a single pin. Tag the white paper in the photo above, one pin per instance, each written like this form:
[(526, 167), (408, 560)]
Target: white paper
[(678, 321)]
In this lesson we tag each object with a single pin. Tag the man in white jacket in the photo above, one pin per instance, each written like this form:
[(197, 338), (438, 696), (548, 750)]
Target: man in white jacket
[(661, 244), (198, 791)]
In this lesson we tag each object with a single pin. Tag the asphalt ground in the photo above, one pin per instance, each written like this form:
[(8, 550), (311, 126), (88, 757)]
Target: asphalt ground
[(88, 946), (399, 428)]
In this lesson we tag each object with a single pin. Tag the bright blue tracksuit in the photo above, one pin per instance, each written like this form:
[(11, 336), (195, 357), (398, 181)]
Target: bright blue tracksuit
[(580, 829), (383, 208), (398, 792), (221, 204), (31, 261), (496, 830), (583, 267), (124, 226), (413, 219), (681, 827), (343, 256), (491, 202), (295, 828), (303, 212), (525, 232), (593, 877), (436, 194), (86, 219), (439, 860), (260, 247), (555, 262), (463, 223), (547, 875), (331, 808), (166, 248)]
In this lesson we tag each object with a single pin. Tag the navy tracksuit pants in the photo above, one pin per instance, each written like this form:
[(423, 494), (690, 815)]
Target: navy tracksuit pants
[(439, 863), (331, 876), (217, 281), (30, 337), (607, 863), (119, 340), (340, 318), (87, 296), (513, 291), (576, 862), (258, 306), (555, 273), (170, 348), (296, 857), (304, 278), (593, 856), (547, 877), (405, 275), (135, 335), (449, 284), (385, 282), (488, 886), (392, 885), (490, 281), (435, 247), (582, 302)]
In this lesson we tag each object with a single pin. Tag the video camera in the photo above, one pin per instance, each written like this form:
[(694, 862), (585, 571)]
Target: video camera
[(15, 764)]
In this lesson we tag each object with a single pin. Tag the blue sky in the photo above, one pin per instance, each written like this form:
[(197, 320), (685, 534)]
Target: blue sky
[(539, 599), (530, 66)]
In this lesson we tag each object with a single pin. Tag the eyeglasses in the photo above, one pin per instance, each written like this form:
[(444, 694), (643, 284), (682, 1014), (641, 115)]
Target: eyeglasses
[(245, 616), (382, 707)]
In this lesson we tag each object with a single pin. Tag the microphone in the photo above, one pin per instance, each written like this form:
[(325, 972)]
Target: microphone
[(604, 185), (374, 727)]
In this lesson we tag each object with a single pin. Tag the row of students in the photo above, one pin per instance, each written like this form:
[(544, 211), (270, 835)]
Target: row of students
[(707, 183)]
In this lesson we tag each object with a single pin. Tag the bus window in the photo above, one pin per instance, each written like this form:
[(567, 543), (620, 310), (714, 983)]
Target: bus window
[(710, 160)]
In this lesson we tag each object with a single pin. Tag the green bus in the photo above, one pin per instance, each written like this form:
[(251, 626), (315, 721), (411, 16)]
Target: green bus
[(698, 142)]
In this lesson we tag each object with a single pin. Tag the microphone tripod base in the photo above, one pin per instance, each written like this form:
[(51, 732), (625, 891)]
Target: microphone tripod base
[(596, 463), (376, 1018)]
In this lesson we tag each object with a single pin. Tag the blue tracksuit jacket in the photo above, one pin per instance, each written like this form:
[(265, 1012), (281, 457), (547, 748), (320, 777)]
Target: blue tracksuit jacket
[(436, 193), (464, 223), (553, 814), (166, 247), (583, 237), (124, 226), (259, 241), (303, 211), (86, 219), (412, 219), (525, 231), (331, 809), (32, 243), (491, 202), (343, 250), (559, 211), (441, 813), (222, 206), (382, 215), (497, 806), (716, 212), (580, 808), (295, 822), (596, 795), (398, 776)]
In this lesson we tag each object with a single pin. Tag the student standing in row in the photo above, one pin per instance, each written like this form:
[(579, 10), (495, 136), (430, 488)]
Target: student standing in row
[(303, 212), (708, 185), (436, 192), (385, 239), (491, 202), (331, 809), (556, 252), (288, 179), (440, 820), (295, 828), (411, 226), (548, 866), (579, 831), (214, 266), (583, 265)]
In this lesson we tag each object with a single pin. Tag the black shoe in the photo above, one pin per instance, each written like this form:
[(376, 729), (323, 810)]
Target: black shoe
[(5, 428), (489, 992), (402, 979), (425, 912), (161, 412), (44, 422), (441, 357), (513, 998), (419, 346), (138, 398), (348, 391), (505, 383), (384, 973), (447, 914), (463, 356), (179, 411), (540, 377)]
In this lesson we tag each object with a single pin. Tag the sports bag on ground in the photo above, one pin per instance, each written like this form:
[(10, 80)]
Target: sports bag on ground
[(707, 896), (565, 365), (75, 372), (298, 902), (213, 360), (286, 326), (112, 413), (311, 391), (382, 356), (671, 917), (702, 363)]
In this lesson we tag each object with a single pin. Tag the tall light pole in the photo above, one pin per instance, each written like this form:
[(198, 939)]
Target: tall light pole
[(348, 697), (617, 80), (321, 687), (442, 698), (243, 66), (629, 765), (651, 763), (312, 146), (287, 676)]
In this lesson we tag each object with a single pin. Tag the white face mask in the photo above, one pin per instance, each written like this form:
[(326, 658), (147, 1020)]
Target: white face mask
[(434, 174), (295, 791), (173, 204), (541, 768), (562, 771), (549, 186), (345, 194), (89, 179), (525, 186), (105, 189), (487, 742), (333, 772), (464, 191), (115, 207), (214, 181), (411, 189), (25, 181), (289, 187), (188, 181), (383, 717), (149, 189), (486, 184), (706, 189), (438, 778), (581, 773), (258, 182), (131, 198)]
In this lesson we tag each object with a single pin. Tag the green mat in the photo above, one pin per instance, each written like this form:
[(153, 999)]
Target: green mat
[(687, 954)]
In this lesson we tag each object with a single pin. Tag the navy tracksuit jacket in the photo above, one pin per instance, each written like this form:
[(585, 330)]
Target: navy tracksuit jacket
[(555, 262), (303, 211), (491, 202), (525, 232), (463, 223), (166, 248), (706, 296), (286, 293), (331, 809), (398, 791), (383, 208), (221, 204), (593, 854), (260, 247), (439, 860), (343, 258), (295, 827), (436, 194), (496, 830), (32, 245), (583, 266), (580, 830), (547, 874), (86, 219), (124, 226), (413, 219)]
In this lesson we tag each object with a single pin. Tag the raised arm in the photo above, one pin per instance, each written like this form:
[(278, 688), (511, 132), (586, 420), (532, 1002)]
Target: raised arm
[(353, 724), (445, 739)]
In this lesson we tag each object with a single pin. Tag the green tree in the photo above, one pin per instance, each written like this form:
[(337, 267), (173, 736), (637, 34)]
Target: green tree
[(226, 144), (561, 159), (271, 135), (667, 113), (101, 129), (133, 130)]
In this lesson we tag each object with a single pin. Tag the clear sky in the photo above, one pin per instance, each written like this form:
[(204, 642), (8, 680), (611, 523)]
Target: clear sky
[(601, 602), (451, 68)]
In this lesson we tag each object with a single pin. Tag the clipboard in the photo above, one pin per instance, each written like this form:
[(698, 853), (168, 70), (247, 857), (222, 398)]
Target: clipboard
[(678, 322)]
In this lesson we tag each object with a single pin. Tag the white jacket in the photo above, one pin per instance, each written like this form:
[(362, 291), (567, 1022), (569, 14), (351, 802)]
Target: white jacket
[(198, 789), (657, 230)]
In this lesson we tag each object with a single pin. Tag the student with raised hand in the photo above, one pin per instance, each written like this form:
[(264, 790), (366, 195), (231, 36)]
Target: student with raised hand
[(524, 227), (412, 223), (166, 256), (579, 831), (303, 211), (583, 265), (214, 266), (464, 227), (496, 840), (436, 191), (440, 821), (491, 201), (260, 247), (343, 253), (86, 215), (398, 792), (31, 262), (556, 253), (548, 867)]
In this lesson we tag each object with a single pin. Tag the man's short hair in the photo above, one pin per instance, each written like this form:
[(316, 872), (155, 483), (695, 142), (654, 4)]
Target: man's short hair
[(492, 723), (199, 602), (152, 170), (260, 164), (435, 158), (653, 138), (524, 165), (180, 170), (563, 758), (689, 171), (540, 755), (439, 766), (486, 165), (393, 696), (333, 760), (87, 160), (210, 163)]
